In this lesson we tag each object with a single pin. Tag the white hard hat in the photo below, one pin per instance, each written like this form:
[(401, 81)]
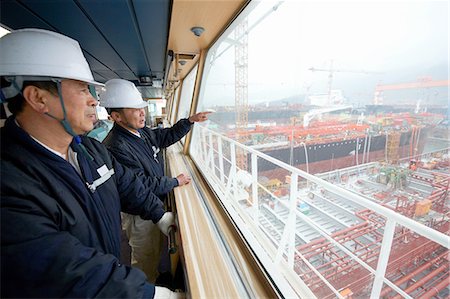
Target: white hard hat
[(42, 53), (121, 93)]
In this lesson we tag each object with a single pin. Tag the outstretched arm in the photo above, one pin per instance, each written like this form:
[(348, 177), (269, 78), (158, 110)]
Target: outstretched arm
[(199, 117), (168, 136)]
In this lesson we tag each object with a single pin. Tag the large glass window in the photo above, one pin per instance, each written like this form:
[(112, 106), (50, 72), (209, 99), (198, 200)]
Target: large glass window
[(187, 91), (329, 144), (173, 107)]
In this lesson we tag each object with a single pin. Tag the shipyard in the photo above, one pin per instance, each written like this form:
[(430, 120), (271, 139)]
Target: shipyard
[(179, 149), (395, 156), (415, 263)]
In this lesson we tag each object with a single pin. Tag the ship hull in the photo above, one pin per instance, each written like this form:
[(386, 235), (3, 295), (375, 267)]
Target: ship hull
[(324, 157)]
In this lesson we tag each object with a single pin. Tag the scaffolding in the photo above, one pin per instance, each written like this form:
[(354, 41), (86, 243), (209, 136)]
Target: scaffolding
[(338, 240), (241, 89), (392, 146)]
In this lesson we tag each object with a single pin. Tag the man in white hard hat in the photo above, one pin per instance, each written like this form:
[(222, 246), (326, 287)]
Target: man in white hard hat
[(139, 148), (62, 193)]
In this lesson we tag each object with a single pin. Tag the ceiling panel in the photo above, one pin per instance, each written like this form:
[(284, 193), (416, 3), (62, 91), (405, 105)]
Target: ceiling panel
[(16, 16), (128, 38), (68, 18), (154, 31), (213, 16), (120, 38)]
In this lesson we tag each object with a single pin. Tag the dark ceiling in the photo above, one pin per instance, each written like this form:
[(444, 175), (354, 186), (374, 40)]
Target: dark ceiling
[(120, 38)]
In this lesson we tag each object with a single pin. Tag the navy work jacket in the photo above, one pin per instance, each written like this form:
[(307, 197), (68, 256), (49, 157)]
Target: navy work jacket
[(58, 237), (144, 155)]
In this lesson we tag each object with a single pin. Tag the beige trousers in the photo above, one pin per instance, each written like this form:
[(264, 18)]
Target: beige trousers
[(145, 240)]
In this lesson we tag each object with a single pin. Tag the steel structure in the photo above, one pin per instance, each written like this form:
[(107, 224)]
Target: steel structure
[(343, 243), (241, 80), (426, 82), (241, 87)]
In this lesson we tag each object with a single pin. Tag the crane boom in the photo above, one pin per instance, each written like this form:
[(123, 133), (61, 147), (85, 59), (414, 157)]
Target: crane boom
[(332, 70), (411, 85), (313, 69), (421, 83)]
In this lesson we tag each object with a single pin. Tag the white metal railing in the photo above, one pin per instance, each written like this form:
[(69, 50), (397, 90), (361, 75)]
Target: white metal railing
[(209, 152), (426, 155)]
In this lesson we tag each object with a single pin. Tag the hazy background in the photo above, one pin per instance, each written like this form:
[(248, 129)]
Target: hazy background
[(364, 43)]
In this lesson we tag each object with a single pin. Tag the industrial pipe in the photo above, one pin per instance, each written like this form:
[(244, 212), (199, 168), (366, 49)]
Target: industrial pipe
[(421, 282), (436, 289), (410, 275)]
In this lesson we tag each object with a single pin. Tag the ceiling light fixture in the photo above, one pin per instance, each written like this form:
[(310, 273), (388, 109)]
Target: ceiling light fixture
[(170, 56), (146, 80), (197, 30)]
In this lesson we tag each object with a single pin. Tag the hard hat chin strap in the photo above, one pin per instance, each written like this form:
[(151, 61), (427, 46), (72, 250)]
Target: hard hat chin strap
[(17, 84), (66, 125), (16, 88), (12, 90)]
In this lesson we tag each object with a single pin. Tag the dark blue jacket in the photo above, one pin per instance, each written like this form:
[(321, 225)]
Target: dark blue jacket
[(144, 155), (59, 238)]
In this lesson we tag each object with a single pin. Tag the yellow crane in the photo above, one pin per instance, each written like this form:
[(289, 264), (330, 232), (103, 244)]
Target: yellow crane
[(241, 81), (241, 89)]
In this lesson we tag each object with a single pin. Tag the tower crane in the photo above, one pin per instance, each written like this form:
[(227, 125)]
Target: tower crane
[(241, 88), (241, 80), (331, 70)]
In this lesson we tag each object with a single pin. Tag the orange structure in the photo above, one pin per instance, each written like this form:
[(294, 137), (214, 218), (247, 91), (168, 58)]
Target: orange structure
[(425, 82)]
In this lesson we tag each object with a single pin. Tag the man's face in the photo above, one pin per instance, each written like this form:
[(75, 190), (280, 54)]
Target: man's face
[(79, 104), (131, 118)]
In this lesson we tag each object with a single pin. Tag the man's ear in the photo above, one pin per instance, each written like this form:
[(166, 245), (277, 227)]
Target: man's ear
[(116, 116), (37, 98)]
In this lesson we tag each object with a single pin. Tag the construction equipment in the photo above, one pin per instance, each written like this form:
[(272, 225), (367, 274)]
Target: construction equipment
[(425, 82), (241, 81), (331, 72), (241, 89), (392, 146), (318, 112)]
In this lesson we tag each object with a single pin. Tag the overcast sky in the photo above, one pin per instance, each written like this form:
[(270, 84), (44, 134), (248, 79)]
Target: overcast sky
[(368, 42)]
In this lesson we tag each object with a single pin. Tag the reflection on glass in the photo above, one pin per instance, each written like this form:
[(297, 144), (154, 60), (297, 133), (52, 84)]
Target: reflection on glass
[(173, 110), (328, 117), (187, 92)]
